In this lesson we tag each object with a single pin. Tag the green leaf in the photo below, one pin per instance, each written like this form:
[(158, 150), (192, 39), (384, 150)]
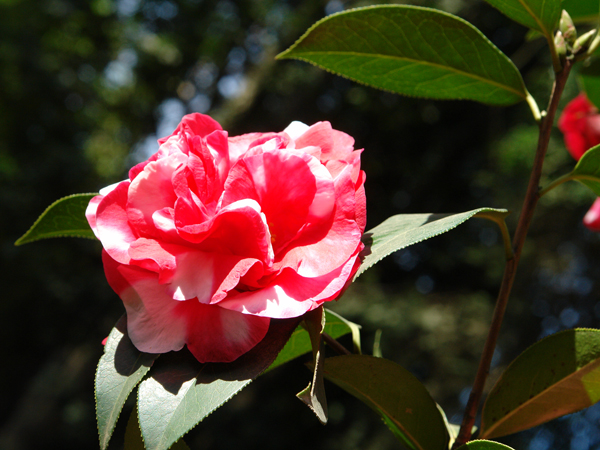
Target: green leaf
[(540, 15), (314, 395), (394, 393), (181, 392), (589, 78), (402, 230), (582, 10), (299, 343), (556, 376), (587, 170), (133, 436), (413, 51), (120, 369), (63, 218), (484, 445)]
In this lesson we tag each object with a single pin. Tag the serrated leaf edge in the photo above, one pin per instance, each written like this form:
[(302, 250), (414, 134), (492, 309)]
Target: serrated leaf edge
[(284, 54), (158, 447), (362, 269), (23, 239)]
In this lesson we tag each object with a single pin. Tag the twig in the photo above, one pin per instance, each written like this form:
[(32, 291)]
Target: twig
[(335, 345), (531, 198)]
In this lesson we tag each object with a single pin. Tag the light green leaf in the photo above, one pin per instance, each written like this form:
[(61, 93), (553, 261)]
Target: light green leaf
[(133, 436), (394, 393), (582, 10), (554, 377), (481, 444), (587, 170), (299, 343), (181, 392), (63, 218), (413, 51), (402, 230), (540, 15), (121, 368)]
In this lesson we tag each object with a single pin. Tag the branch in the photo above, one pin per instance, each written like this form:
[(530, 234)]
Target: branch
[(531, 198)]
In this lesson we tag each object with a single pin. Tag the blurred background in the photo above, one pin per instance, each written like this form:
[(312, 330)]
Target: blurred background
[(86, 88)]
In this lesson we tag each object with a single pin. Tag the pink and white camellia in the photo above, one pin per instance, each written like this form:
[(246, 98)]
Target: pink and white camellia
[(580, 124), (213, 236)]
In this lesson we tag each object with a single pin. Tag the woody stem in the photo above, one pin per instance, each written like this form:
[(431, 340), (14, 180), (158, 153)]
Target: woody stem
[(531, 198)]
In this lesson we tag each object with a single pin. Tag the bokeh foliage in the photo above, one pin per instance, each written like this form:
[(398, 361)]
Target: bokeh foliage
[(87, 86)]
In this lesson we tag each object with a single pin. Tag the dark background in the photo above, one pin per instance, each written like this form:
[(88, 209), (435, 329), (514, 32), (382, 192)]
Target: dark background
[(86, 87)]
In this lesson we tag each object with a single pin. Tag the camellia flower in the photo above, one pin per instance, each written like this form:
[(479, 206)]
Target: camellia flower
[(214, 236), (580, 124)]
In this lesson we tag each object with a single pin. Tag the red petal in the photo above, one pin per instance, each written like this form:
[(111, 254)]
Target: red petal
[(112, 226), (154, 323), (152, 190), (215, 334), (592, 218)]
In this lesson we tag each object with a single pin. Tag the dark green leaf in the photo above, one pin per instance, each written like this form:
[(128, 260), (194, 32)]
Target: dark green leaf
[(314, 395), (587, 170), (299, 342), (394, 393), (63, 218), (554, 377), (181, 392), (120, 369), (540, 15), (413, 51), (402, 230), (582, 10), (484, 445), (589, 77)]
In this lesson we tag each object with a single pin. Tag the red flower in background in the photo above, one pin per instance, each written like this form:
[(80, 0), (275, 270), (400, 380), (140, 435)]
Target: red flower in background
[(580, 124), (214, 236)]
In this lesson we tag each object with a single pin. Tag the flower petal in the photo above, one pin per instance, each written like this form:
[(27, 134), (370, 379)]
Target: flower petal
[(288, 202), (152, 190), (291, 295), (154, 322), (592, 218), (215, 334), (334, 144), (112, 226)]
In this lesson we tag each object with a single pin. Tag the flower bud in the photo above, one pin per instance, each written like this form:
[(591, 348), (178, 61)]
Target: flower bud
[(561, 45), (567, 27), (583, 42)]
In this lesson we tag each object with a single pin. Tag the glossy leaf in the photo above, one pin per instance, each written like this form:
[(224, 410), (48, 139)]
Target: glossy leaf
[(540, 15), (394, 393), (133, 436), (413, 51), (402, 230), (554, 377), (582, 10), (482, 444), (181, 392), (299, 343), (587, 170), (121, 368), (63, 218), (589, 77)]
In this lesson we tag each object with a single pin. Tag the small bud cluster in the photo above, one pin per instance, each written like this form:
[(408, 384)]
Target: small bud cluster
[(568, 45)]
